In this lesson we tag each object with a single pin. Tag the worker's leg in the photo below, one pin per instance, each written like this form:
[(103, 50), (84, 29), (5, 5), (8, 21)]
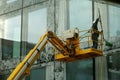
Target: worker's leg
[(95, 44)]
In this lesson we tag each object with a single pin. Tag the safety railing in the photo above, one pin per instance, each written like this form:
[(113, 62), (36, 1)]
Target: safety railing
[(86, 40)]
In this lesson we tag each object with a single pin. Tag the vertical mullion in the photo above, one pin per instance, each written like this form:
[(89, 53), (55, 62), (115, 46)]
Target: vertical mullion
[(21, 31), (94, 70)]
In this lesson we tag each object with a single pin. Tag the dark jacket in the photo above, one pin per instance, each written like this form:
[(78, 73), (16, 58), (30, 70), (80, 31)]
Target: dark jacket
[(95, 34)]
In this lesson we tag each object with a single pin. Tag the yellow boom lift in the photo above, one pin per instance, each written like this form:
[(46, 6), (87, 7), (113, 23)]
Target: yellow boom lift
[(68, 49)]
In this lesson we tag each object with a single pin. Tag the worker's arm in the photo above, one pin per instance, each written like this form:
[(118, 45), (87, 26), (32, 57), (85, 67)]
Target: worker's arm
[(95, 23)]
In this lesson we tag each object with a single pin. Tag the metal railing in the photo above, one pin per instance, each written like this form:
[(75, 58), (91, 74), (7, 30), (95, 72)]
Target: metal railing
[(86, 40)]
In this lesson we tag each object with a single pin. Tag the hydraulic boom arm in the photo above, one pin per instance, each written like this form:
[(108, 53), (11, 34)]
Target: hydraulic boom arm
[(24, 67), (69, 50)]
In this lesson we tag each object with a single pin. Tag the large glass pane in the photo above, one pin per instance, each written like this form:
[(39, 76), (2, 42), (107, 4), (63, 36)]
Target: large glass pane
[(34, 25), (79, 70), (80, 12), (38, 74), (37, 24), (10, 34), (114, 66), (114, 21), (12, 28), (114, 27)]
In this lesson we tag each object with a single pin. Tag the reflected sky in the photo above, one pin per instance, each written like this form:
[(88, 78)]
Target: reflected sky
[(80, 14), (12, 28), (37, 23), (114, 20)]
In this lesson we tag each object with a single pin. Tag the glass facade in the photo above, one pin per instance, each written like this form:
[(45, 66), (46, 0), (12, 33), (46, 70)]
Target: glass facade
[(83, 69), (114, 32)]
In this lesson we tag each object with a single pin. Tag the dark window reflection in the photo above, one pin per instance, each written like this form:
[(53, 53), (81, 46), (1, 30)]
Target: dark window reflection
[(114, 66), (7, 49), (38, 74), (79, 70), (4, 76)]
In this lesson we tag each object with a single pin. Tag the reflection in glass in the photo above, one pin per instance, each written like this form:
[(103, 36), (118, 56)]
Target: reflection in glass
[(4, 77), (12, 28), (114, 21), (11, 36), (37, 22), (114, 32), (114, 66), (37, 25), (80, 12), (79, 70), (37, 74)]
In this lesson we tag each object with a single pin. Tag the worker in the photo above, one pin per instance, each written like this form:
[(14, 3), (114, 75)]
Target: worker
[(95, 33)]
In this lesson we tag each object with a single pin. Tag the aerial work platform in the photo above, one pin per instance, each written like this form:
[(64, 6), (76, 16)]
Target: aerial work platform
[(80, 54)]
